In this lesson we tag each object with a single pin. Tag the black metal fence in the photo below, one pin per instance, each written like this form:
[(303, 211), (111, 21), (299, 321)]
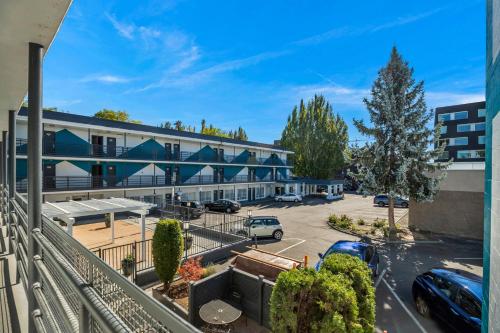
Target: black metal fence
[(198, 239)]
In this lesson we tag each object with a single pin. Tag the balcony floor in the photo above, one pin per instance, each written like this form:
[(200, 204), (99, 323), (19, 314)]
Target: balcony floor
[(13, 302)]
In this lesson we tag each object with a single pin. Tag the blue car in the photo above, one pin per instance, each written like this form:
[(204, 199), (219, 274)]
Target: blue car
[(366, 252), (452, 296)]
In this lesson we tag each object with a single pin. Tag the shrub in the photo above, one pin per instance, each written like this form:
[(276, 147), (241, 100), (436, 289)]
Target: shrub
[(356, 271), (342, 222), (191, 269), (379, 223), (306, 301), (361, 222), (209, 270), (167, 250)]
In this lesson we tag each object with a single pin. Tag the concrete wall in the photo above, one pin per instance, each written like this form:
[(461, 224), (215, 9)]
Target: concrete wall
[(457, 210)]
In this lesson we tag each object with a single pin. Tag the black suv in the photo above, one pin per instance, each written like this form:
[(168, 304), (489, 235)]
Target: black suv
[(223, 205)]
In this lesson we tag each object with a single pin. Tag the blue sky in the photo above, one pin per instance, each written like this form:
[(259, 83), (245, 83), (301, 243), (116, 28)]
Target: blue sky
[(247, 63)]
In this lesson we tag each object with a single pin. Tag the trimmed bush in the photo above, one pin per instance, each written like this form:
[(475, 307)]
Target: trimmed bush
[(379, 223), (305, 301), (167, 250), (342, 222), (357, 272)]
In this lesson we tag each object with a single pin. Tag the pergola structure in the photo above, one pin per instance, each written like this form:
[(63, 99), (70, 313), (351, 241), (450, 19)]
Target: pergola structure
[(307, 186), (67, 211)]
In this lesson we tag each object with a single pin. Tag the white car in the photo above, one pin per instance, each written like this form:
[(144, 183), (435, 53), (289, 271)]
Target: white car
[(288, 197), (262, 226)]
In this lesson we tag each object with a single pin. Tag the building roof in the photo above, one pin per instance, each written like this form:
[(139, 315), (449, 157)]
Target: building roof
[(86, 120), (70, 209), (461, 107)]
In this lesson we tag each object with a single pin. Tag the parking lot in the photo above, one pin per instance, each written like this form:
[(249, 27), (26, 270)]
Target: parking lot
[(306, 233)]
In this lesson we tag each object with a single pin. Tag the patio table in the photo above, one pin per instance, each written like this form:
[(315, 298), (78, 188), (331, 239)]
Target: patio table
[(218, 312)]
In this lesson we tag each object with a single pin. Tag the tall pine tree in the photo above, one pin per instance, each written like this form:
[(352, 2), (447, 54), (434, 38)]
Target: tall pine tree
[(318, 138), (399, 161)]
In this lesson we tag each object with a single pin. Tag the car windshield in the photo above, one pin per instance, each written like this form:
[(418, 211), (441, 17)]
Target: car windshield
[(347, 250)]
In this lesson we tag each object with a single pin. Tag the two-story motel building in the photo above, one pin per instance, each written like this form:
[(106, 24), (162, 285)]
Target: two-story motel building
[(87, 157)]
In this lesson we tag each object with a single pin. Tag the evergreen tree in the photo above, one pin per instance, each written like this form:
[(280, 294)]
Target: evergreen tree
[(399, 161), (318, 137)]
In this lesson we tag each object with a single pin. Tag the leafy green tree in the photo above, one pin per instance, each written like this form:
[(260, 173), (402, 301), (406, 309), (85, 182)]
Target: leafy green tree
[(356, 271), (318, 137), (167, 250), (306, 301), (399, 161), (115, 115)]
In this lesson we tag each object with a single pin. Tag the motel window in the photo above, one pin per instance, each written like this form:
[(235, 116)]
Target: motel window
[(242, 194), (190, 196), (259, 192), (481, 112), (205, 196), (229, 194)]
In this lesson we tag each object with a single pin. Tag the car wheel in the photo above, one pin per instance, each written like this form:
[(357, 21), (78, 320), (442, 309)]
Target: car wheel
[(422, 306), (228, 210), (404, 205), (278, 234), (381, 204), (280, 200), (296, 200)]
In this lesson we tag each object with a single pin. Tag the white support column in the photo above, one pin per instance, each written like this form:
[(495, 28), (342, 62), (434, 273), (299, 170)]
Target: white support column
[(296, 188), (112, 223), (70, 221), (329, 193)]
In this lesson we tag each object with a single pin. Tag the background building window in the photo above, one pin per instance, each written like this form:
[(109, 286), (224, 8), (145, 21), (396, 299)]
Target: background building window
[(444, 117), (259, 192), (481, 112), (205, 196), (229, 194), (190, 196), (462, 141), (464, 128), (479, 127), (444, 129), (242, 194), (467, 154), (461, 115), (481, 140)]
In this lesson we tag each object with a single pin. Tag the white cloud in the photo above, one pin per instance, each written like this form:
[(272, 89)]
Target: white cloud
[(105, 78), (356, 31), (443, 98), (125, 30)]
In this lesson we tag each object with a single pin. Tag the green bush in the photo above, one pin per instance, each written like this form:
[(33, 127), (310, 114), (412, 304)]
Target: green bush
[(361, 222), (356, 271), (209, 270), (305, 301), (167, 250), (342, 222), (379, 223)]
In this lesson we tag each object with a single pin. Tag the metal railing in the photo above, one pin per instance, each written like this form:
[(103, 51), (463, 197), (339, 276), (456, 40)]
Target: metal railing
[(67, 183), (78, 292), (133, 153), (206, 235)]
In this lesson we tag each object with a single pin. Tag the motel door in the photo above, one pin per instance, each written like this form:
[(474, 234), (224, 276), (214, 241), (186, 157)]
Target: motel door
[(111, 146), (49, 142), (96, 175), (49, 176), (168, 151), (111, 175)]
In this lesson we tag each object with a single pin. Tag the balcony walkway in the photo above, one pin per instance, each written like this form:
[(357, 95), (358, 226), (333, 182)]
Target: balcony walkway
[(13, 302)]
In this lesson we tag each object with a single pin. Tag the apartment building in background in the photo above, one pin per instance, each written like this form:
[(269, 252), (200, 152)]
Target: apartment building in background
[(87, 157), (463, 131)]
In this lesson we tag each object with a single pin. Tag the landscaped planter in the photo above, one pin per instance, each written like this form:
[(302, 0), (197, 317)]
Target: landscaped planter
[(128, 265), (169, 302)]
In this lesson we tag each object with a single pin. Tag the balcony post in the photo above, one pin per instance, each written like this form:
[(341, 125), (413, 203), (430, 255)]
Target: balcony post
[(12, 164), (1, 183), (5, 171), (34, 166)]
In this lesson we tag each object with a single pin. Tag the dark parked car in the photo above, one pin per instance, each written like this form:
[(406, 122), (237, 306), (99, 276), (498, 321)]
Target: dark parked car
[(193, 209), (452, 296), (366, 252), (383, 200), (224, 205)]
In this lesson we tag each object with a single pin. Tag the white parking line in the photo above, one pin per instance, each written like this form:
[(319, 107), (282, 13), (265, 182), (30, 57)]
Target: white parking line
[(468, 258), (404, 306), (288, 248), (380, 277)]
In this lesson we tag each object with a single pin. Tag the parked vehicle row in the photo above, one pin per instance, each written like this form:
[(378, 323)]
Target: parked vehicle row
[(290, 197), (454, 297)]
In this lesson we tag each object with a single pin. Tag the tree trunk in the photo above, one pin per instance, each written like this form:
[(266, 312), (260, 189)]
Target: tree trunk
[(392, 223)]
